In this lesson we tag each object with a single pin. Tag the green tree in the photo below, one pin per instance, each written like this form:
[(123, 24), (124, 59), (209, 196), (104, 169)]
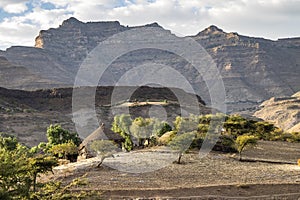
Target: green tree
[(244, 141), (186, 124), (8, 142), (19, 168), (15, 179), (57, 135), (121, 125), (163, 128), (141, 129), (41, 164), (181, 143), (64, 150), (104, 149)]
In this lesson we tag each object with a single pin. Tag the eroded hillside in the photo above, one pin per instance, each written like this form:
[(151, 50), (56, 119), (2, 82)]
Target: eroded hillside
[(284, 112)]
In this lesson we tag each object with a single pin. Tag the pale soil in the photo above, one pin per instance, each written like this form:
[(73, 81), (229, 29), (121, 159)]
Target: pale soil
[(209, 178)]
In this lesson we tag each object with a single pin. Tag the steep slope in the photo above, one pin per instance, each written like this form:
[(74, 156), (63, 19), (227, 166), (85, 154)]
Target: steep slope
[(253, 69), (17, 76), (284, 112)]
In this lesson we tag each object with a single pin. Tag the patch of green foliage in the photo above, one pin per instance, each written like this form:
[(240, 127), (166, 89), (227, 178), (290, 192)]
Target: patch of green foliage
[(19, 168), (244, 141), (61, 143), (141, 130)]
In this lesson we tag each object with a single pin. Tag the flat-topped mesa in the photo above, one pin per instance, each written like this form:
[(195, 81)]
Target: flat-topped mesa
[(74, 33)]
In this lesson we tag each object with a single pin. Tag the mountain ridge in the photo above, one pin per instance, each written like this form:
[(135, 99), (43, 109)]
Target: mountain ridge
[(253, 69)]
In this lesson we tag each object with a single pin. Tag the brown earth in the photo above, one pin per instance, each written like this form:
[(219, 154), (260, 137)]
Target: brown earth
[(216, 176)]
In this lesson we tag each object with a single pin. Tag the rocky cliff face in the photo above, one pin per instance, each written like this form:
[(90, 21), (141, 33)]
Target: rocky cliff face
[(284, 112), (253, 69)]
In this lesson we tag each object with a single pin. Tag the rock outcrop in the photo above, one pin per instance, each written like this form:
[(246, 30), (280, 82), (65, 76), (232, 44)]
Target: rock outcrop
[(253, 69), (284, 112)]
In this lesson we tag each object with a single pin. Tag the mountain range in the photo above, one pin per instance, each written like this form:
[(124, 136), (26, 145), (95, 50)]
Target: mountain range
[(252, 69)]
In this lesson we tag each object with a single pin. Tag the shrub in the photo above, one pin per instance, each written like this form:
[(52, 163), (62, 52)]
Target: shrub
[(166, 138), (64, 150), (165, 127)]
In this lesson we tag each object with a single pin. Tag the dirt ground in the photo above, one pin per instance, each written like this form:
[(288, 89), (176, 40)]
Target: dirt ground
[(216, 176)]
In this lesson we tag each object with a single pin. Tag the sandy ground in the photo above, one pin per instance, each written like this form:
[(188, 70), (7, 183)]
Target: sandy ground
[(216, 176)]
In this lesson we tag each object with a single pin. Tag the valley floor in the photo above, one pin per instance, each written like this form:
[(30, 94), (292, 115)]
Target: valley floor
[(211, 177)]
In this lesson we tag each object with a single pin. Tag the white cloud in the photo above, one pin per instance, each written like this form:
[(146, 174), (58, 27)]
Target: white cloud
[(262, 18), (14, 6), (22, 30)]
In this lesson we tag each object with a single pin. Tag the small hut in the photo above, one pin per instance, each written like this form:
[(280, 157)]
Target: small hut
[(100, 133)]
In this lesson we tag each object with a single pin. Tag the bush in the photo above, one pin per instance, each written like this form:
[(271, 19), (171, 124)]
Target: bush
[(65, 150), (165, 127), (166, 138), (57, 135)]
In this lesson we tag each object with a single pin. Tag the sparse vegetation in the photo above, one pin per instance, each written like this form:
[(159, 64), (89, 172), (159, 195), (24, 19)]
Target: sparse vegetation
[(244, 141)]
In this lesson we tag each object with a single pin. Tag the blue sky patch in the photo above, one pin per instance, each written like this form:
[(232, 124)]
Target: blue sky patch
[(48, 6)]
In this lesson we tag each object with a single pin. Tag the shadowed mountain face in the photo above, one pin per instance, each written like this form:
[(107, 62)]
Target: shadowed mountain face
[(253, 69)]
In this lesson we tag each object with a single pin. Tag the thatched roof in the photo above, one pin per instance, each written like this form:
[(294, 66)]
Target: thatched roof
[(98, 134)]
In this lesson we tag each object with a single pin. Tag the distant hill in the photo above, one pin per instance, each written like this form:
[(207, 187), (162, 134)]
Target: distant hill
[(284, 112), (27, 114), (253, 69)]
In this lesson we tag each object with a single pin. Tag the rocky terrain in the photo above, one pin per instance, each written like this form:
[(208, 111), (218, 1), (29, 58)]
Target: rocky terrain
[(284, 112), (253, 69), (28, 113)]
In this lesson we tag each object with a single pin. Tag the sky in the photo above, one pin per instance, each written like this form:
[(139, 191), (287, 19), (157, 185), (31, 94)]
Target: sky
[(21, 20)]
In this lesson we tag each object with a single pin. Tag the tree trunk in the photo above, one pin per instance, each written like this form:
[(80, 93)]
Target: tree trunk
[(34, 182), (179, 158), (240, 156), (103, 157), (101, 161)]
